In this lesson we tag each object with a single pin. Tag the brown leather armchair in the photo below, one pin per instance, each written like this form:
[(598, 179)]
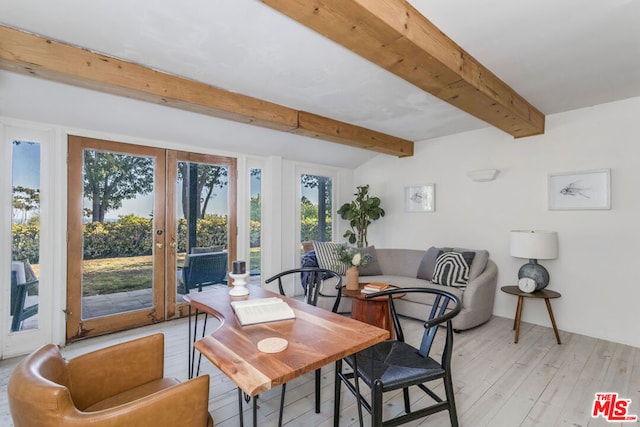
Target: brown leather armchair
[(121, 385)]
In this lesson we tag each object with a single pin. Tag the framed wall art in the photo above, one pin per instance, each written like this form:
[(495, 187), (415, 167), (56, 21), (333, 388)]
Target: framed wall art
[(420, 198), (580, 190)]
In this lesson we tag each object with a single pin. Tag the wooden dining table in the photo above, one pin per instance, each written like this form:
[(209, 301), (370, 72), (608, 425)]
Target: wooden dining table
[(316, 337)]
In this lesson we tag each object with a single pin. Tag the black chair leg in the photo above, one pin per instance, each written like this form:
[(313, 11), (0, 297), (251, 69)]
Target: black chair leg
[(357, 387), (448, 389), (376, 404), (336, 394), (284, 389), (407, 406), (318, 377)]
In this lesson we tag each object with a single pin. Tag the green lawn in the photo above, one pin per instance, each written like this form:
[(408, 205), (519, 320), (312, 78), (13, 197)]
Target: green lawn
[(112, 275)]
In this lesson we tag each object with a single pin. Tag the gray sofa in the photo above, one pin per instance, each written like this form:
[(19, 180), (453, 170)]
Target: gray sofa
[(414, 268)]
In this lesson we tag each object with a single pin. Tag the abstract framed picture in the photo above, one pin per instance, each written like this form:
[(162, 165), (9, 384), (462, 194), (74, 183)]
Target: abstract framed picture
[(580, 190), (420, 198)]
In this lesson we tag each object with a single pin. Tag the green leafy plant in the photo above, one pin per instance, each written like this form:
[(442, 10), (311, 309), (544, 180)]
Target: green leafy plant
[(352, 256), (360, 213)]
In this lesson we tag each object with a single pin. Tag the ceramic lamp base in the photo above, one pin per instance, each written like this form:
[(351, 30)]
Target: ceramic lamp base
[(239, 285), (535, 271)]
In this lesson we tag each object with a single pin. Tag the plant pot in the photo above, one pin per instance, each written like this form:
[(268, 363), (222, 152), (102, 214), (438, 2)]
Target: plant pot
[(352, 279)]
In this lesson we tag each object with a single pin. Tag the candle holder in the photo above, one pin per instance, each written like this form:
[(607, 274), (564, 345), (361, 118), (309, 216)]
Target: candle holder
[(239, 285)]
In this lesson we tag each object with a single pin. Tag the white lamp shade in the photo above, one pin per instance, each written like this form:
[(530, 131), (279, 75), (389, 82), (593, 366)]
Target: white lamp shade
[(534, 244)]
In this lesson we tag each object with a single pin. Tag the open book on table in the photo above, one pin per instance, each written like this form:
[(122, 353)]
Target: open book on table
[(262, 310)]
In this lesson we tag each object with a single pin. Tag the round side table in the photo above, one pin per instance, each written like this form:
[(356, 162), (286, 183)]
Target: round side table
[(545, 294), (374, 311)]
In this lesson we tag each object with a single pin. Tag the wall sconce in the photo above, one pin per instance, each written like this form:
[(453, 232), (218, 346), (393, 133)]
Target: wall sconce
[(483, 175)]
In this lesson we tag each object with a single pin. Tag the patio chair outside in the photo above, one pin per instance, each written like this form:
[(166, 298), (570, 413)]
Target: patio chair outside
[(203, 269)]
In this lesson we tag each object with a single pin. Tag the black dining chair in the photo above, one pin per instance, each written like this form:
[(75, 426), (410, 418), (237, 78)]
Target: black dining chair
[(394, 364), (312, 279)]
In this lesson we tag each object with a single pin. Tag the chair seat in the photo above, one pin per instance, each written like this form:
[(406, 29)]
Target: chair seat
[(396, 364), (136, 393)]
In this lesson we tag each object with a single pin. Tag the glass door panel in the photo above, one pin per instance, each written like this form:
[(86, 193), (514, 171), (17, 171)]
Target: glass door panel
[(25, 236), (116, 229), (117, 233), (204, 232)]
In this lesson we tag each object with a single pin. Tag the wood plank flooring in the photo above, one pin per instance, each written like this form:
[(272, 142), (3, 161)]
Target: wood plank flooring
[(498, 383)]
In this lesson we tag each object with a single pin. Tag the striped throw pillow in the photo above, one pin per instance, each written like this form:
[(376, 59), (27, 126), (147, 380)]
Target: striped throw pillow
[(452, 269), (327, 255)]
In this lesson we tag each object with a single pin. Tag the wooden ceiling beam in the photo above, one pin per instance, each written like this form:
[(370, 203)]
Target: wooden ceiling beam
[(396, 37), (31, 54)]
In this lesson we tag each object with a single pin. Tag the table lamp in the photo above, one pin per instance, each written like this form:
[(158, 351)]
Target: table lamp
[(534, 245)]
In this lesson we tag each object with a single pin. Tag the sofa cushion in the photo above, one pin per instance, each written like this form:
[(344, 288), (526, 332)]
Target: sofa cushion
[(327, 255), (399, 262), (428, 263), (452, 268), (373, 267), (479, 261)]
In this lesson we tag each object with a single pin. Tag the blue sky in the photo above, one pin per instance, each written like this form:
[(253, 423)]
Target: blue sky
[(26, 164)]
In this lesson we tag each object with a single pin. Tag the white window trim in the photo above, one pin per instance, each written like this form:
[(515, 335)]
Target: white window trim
[(17, 343)]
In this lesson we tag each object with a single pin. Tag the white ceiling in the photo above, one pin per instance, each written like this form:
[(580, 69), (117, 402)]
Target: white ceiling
[(559, 55)]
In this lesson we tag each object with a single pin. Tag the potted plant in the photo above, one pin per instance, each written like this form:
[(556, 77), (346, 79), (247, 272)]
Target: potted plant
[(353, 259), (360, 212)]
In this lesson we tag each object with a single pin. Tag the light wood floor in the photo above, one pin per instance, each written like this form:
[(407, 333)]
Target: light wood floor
[(498, 383)]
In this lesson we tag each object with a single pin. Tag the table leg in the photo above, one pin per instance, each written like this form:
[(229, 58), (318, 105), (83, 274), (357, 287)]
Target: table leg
[(204, 328), (516, 321), (192, 340), (255, 410), (189, 376), (553, 320), (240, 407)]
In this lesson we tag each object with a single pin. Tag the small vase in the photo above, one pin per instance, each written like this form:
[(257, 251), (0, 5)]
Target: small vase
[(352, 279)]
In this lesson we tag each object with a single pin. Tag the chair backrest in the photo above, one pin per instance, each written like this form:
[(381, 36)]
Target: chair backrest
[(445, 307), (205, 269), (14, 291), (312, 277), (39, 388), (206, 249)]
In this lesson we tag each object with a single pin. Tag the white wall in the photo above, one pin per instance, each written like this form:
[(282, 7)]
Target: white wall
[(596, 271)]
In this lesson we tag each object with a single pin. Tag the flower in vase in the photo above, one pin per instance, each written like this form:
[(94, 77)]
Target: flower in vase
[(352, 256)]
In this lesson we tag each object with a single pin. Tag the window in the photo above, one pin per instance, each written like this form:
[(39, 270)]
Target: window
[(315, 209), (255, 221), (25, 235)]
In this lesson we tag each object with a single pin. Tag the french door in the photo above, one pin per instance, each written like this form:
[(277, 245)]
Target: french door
[(125, 249)]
